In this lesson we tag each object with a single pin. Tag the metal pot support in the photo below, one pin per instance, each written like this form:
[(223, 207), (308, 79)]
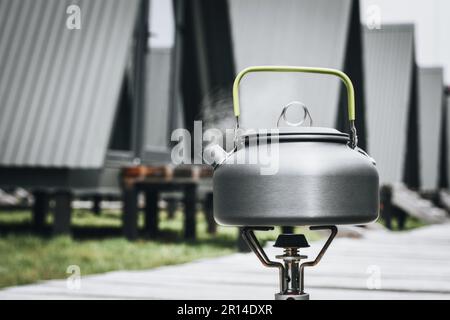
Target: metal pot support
[(291, 272)]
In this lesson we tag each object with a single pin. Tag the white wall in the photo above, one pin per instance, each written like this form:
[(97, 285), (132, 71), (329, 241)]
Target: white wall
[(432, 20)]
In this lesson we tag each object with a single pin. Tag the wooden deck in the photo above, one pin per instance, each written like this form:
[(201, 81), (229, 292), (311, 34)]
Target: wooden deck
[(407, 265)]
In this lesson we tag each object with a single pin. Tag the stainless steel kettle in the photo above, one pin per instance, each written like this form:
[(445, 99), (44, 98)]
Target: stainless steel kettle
[(322, 177)]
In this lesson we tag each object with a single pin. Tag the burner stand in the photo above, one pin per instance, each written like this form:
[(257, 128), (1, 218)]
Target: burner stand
[(291, 271)]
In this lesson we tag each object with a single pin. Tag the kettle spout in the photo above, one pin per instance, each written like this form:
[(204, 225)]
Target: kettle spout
[(215, 155)]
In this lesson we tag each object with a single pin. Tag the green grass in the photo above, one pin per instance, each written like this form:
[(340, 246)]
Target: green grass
[(410, 223), (27, 258)]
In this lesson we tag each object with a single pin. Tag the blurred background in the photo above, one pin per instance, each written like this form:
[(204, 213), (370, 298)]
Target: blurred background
[(91, 91)]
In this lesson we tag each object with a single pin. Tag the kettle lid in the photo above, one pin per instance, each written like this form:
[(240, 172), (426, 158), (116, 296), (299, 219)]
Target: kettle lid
[(298, 133)]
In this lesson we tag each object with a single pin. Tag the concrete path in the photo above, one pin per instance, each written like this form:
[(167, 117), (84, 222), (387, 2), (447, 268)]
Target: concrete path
[(381, 265)]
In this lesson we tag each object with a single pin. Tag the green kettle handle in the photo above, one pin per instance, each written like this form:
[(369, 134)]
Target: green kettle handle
[(333, 72)]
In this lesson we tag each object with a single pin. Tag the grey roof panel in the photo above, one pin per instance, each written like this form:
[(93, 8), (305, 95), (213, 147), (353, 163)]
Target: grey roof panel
[(290, 32), (159, 77), (388, 64), (431, 95), (448, 138), (59, 88), (158, 100)]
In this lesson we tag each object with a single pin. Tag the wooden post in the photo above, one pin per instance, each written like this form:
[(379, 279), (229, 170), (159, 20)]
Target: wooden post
[(190, 197), (171, 207), (97, 204), (130, 212), (209, 213), (386, 205), (151, 212), (62, 212), (40, 210)]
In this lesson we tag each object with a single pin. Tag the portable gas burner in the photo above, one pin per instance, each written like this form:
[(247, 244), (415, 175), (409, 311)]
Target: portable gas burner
[(291, 272), (321, 178)]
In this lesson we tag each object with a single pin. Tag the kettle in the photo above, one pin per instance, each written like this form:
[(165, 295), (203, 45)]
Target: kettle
[(321, 177)]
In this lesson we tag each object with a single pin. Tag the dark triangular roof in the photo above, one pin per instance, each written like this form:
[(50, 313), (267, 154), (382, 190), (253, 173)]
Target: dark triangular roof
[(298, 33), (390, 71), (59, 88), (220, 41), (431, 97)]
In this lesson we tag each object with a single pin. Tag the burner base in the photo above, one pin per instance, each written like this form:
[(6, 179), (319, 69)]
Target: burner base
[(279, 296)]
